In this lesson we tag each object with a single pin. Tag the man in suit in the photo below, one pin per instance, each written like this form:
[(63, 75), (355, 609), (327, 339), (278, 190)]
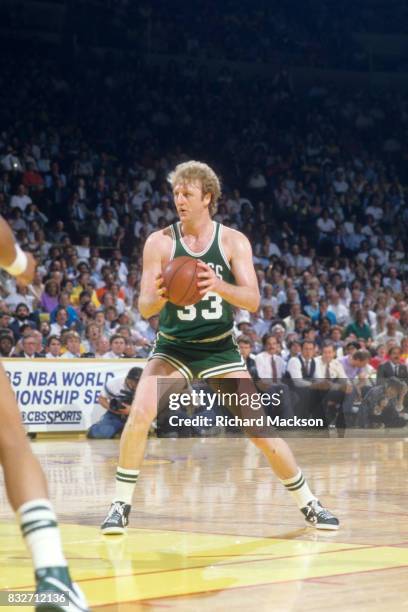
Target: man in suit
[(29, 344), (268, 363), (393, 367), (333, 384), (301, 372), (245, 348), (21, 318), (270, 368)]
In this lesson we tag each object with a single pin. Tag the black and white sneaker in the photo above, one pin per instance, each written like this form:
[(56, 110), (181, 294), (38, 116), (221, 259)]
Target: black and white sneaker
[(319, 517), (117, 519)]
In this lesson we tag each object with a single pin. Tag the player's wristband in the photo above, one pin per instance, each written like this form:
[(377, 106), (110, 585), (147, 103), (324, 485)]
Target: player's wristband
[(19, 265)]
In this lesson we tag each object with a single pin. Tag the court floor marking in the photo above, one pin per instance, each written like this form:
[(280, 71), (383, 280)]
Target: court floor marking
[(218, 564), (254, 586), (183, 577)]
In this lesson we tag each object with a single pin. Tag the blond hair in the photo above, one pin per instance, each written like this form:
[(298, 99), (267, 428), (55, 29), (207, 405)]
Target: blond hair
[(198, 171)]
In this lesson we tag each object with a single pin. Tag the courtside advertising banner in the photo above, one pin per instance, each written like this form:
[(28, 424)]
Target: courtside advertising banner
[(62, 394)]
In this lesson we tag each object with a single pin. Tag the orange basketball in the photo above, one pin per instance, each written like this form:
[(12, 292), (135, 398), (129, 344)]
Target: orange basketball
[(180, 280)]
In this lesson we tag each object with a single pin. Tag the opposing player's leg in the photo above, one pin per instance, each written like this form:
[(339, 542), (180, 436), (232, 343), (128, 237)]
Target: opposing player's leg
[(134, 438), (27, 492), (283, 463)]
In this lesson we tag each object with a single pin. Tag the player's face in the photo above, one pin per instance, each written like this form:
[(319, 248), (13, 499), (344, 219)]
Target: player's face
[(189, 200)]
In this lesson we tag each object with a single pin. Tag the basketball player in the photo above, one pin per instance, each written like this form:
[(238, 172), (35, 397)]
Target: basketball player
[(25, 481), (196, 341)]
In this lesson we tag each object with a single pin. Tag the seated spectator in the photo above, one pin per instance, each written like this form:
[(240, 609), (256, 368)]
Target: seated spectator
[(245, 348), (340, 311), (393, 367), (379, 357), (332, 385), (359, 327), (20, 200), (117, 345), (148, 329), (64, 301), (50, 296), (53, 347), (300, 373), (21, 295), (383, 404), (391, 333), (111, 316), (5, 319), (84, 283), (116, 399), (290, 321), (92, 334), (102, 346), (358, 371), (269, 363), (324, 312), (6, 345), (271, 368), (29, 345), (72, 345), (21, 318), (131, 350), (61, 322)]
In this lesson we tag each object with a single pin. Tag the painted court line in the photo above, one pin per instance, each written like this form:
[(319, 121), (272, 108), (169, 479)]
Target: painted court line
[(246, 586)]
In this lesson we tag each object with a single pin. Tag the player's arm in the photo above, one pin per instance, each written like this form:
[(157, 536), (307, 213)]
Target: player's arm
[(12, 259), (245, 293), (152, 292)]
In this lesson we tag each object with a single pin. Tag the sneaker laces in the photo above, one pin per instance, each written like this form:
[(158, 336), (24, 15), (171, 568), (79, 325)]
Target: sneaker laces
[(318, 509), (117, 508)]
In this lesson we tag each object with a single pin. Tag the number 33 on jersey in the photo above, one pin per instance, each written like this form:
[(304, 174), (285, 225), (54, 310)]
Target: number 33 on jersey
[(210, 317)]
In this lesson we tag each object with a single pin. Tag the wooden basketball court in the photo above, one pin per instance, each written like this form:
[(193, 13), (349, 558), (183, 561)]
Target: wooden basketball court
[(212, 529)]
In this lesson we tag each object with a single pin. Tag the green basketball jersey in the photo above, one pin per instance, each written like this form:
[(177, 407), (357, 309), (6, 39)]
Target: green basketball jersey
[(210, 317)]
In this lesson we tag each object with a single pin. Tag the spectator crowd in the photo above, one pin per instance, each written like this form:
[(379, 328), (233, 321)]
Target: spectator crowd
[(316, 179)]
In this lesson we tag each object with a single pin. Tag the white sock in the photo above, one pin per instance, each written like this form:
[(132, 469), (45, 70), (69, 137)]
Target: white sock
[(299, 489), (125, 484), (39, 527)]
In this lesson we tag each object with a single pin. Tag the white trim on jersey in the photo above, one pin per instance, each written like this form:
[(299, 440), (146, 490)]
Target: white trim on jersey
[(204, 251), (174, 237), (221, 247)]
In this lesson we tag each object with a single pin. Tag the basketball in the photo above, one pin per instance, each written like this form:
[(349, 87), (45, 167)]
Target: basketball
[(180, 279)]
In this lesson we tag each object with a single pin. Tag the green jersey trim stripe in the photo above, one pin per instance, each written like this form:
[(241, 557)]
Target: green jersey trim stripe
[(220, 247), (189, 251), (178, 365), (212, 339)]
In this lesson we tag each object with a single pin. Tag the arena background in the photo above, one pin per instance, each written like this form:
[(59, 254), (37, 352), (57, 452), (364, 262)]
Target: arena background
[(302, 109)]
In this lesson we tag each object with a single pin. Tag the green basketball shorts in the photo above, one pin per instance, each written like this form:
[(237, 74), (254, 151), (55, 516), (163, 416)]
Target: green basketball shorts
[(200, 360)]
